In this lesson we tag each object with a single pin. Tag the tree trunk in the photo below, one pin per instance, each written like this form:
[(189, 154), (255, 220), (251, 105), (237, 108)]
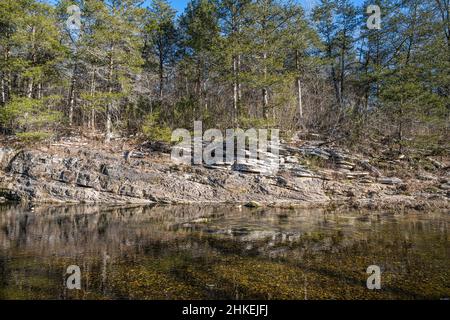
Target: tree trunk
[(92, 104), (72, 95), (238, 77), (235, 89), (334, 76), (300, 100), (342, 75), (71, 103), (6, 78), (299, 88), (400, 128), (30, 89), (39, 91), (108, 123), (3, 91), (33, 58), (265, 93), (198, 89), (161, 76), (109, 106), (265, 103)]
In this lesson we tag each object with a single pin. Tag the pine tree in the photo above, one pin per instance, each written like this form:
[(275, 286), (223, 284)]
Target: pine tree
[(114, 45), (300, 43), (233, 19), (32, 53), (266, 52), (413, 88), (11, 20), (160, 40), (199, 32), (336, 23)]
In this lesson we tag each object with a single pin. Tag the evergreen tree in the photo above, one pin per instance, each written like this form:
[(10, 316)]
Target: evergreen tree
[(336, 23), (266, 52), (233, 19), (161, 40), (32, 53), (199, 31), (114, 45)]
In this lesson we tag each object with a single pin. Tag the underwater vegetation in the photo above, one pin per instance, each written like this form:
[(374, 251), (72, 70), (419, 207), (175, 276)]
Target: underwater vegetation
[(222, 253)]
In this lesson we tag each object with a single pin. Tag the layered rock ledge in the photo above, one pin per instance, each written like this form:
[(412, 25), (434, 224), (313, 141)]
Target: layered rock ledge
[(79, 173)]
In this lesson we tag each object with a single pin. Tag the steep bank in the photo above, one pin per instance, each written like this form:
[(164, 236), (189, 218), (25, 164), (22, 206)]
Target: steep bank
[(78, 172)]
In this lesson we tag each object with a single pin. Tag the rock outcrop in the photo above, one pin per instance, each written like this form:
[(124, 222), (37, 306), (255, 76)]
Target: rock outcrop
[(87, 176), (80, 174)]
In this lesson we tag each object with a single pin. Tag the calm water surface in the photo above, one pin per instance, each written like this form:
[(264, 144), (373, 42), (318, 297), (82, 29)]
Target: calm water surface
[(198, 252)]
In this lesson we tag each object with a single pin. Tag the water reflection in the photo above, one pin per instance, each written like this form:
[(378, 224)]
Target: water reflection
[(207, 252)]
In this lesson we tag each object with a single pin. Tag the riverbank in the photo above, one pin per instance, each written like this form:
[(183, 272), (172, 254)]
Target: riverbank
[(77, 170)]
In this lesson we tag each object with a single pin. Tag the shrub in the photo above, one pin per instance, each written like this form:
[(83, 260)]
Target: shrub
[(30, 115), (258, 123), (154, 131), (33, 137)]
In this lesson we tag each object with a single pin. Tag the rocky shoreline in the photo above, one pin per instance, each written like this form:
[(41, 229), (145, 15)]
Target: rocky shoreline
[(310, 175)]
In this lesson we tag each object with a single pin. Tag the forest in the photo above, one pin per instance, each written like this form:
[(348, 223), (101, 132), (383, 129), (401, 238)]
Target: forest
[(122, 68)]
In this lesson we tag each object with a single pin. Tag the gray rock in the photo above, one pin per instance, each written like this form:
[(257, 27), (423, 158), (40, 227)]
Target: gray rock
[(367, 166), (445, 186), (436, 163), (358, 174), (86, 180), (390, 181), (303, 173), (282, 181), (80, 174), (256, 166), (67, 176), (6, 154), (345, 163), (253, 204), (366, 180), (291, 159), (346, 167), (316, 152), (426, 177), (218, 166)]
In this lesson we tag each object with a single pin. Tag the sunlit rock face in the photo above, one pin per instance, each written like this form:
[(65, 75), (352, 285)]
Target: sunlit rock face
[(176, 252), (307, 176), (86, 176)]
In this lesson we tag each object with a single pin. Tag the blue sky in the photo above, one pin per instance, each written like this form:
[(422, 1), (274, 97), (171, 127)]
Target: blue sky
[(179, 5)]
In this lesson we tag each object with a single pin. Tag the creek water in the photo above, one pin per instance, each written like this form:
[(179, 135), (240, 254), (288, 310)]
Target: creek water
[(222, 252)]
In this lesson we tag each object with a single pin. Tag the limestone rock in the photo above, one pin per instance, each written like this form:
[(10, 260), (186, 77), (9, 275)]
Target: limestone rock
[(445, 186), (82, 174), (291, 159), (390, 181), (253, 204), (367, 166)]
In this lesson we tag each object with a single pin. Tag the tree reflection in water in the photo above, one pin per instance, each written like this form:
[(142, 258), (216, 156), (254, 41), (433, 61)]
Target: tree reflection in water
[(210, 252)]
